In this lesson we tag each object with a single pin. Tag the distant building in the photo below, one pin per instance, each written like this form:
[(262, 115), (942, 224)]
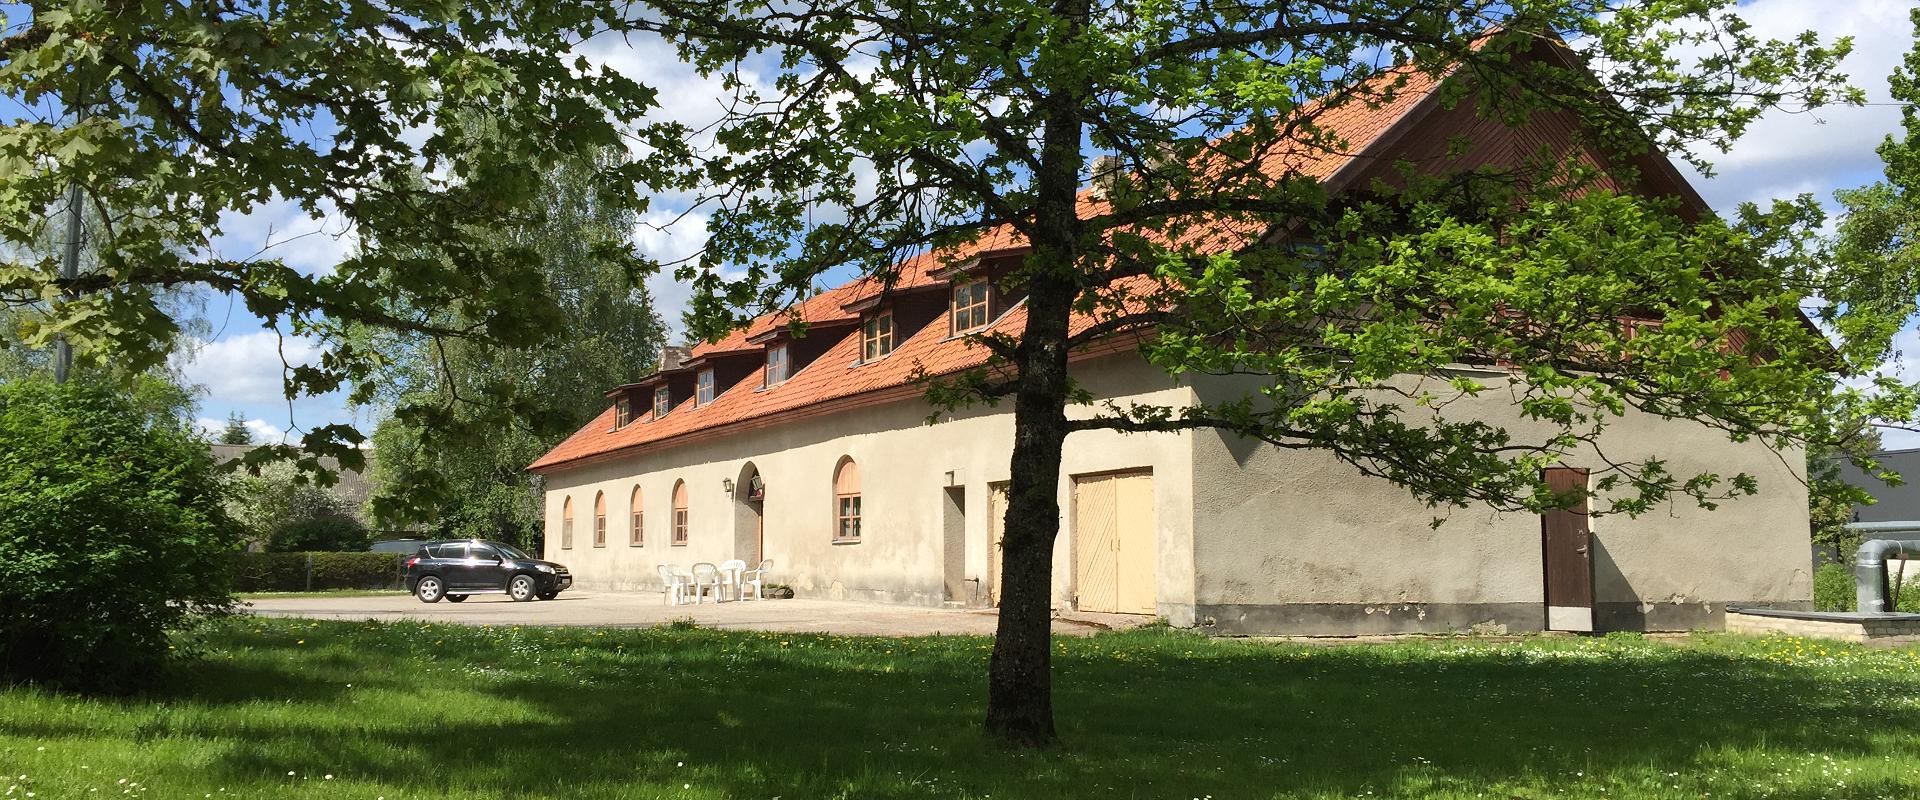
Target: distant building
[(1892, 503)]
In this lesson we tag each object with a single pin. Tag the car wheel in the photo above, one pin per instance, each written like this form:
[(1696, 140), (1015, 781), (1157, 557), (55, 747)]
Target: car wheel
[(549, 595), (521, 588), (429, 589), (456, 598)]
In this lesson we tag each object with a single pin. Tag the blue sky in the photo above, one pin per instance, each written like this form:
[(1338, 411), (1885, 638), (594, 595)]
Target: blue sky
[(240, 364)]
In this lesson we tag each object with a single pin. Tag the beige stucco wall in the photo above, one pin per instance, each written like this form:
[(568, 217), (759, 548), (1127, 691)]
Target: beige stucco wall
[(1252, 538), (1294, 541), (905, 468)]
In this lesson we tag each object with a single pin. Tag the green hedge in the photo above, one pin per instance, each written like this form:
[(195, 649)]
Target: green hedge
[(1833, 589), (305, 572)]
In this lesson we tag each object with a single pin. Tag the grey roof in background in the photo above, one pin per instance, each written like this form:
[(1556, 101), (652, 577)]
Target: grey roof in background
[(1896, 503)]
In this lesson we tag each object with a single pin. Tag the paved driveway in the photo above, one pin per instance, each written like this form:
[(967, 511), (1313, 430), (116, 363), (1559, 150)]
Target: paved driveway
[(640, 610)]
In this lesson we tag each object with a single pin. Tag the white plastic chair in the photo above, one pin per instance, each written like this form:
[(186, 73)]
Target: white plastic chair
[(756, 578), (705, 576), (730, 571), (674, 585)]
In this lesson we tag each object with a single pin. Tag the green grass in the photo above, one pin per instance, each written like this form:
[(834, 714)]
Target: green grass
[(405, 710), (322, 593)]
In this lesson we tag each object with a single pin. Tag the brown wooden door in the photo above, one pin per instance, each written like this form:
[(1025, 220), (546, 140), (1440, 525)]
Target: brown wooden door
[(1567, 547)]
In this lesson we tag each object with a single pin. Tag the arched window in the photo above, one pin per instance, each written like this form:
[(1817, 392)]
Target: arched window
[(599, 519), (566, 524), (679, 512), (846, 501), (635, 534)]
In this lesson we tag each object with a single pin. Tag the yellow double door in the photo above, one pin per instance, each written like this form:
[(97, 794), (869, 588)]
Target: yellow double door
[(1115, 541)]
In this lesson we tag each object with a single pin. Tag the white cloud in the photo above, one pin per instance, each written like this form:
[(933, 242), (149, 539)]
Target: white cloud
[(248, 368), (1783, 154), (264, 432), (669, 238), (279, 228)]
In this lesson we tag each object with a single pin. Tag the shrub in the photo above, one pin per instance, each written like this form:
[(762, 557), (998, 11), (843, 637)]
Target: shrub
[(300, 572), (330, 532), (1833, 588), (112, 534)]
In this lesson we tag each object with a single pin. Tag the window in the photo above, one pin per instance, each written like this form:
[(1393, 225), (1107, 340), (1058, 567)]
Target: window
[(846, 501), (876, 336), (777, 364), (679, 512), (703, 391), (970, 306), (600, 519), (566, 524), (622, 412), (481, 552), (453, 550), (635, 534), (662, 402)]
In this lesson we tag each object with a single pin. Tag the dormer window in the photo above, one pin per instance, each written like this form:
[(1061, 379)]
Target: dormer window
[(778, 367), (876, 336), (703, 388), (970, 306), (622, 412), (662, 402)]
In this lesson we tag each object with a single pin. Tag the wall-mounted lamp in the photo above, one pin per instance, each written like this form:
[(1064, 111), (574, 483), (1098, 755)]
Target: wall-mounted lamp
[(727, 484)]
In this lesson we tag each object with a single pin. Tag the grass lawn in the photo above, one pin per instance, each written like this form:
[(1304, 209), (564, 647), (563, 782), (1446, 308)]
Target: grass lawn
[(296, 709)]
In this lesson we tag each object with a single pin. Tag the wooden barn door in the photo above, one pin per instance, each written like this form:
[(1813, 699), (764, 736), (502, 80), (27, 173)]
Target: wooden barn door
[(996, 531), (1115, 545), (1567, 544)]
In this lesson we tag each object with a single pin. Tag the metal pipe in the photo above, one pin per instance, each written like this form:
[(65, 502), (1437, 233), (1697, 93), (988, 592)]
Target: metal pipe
[(1870, 591), (70, 265)]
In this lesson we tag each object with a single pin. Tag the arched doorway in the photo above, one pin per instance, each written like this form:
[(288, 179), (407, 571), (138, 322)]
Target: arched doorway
[(749, 504)]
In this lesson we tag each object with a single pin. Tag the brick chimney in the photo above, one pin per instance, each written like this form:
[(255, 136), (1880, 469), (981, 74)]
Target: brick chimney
[(672, 356)]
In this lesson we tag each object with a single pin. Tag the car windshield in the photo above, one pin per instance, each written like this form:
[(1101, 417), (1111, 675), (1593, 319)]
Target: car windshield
[(510, 552)]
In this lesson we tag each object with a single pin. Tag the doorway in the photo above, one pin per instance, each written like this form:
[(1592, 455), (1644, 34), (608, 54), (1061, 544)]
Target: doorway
[(1566, 543), (1115, 543), (996, 531), (749, 516), (953, 550)]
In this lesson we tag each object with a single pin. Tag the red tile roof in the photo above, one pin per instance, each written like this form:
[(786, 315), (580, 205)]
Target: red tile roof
[(835, 376)]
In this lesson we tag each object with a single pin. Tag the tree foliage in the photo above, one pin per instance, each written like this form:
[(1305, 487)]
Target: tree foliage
[(330, 533), (275, 503), (235, 431), (1867, 278), (1217, 241), (444, 455), (357, 110), (112, 534)]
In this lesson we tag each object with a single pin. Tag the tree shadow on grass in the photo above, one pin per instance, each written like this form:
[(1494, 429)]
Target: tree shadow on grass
[(634, 713)]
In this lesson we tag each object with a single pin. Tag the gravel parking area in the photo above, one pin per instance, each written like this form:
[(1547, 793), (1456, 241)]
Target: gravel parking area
[(640, 610)]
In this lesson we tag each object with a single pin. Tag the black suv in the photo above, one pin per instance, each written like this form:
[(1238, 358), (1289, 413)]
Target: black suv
[(457, 568)]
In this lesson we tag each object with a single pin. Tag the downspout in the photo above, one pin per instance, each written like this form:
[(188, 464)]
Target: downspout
[(1870, 590)]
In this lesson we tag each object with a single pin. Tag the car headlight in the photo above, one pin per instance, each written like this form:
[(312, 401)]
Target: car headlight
[(544, 568)]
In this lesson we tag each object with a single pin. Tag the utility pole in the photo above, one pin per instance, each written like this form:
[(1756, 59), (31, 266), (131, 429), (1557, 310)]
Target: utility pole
[(70, 265)]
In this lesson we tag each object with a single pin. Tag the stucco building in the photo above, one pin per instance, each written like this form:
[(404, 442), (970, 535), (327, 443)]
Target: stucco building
[(816, 452)]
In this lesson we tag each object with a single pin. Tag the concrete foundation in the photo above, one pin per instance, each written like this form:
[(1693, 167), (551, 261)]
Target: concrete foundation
[(1873, 630)]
